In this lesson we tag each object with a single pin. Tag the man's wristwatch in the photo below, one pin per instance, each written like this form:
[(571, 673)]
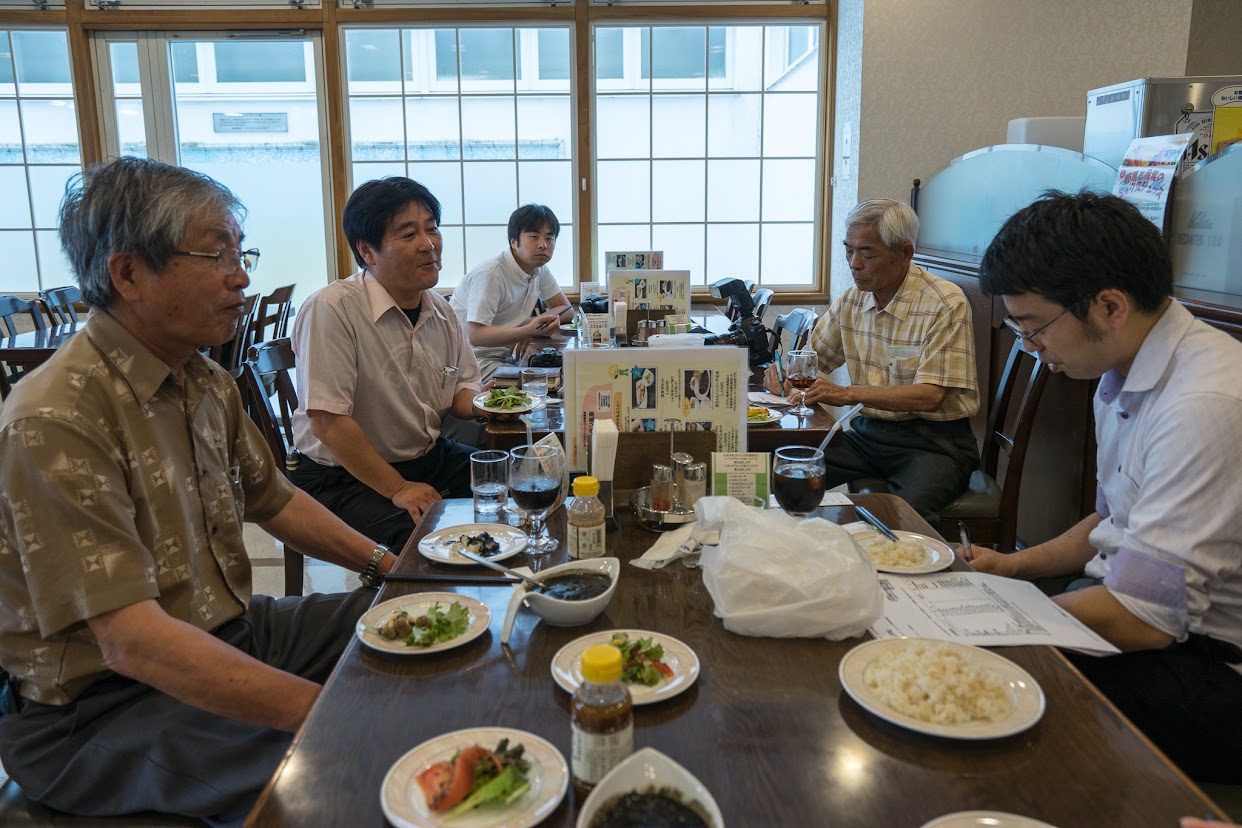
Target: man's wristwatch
[(371, 575)]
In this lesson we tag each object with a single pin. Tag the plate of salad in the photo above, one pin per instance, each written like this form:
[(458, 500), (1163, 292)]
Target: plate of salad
[(654, 666), (423, 623), (505, 401), (759, 416), (482, 777)]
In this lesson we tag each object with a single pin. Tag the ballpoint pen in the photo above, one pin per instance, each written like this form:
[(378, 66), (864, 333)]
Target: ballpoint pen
[(964, 534), (780, 368)]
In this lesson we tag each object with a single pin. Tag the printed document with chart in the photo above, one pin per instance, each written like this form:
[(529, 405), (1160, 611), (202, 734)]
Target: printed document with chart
[(979, 609)]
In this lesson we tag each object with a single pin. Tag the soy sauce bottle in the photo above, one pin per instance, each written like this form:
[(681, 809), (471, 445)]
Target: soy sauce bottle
[(602, 719)]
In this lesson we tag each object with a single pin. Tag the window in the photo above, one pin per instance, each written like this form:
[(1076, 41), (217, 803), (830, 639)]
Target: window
[(245, 111), (39, 152), (482, 116), (707, 147)]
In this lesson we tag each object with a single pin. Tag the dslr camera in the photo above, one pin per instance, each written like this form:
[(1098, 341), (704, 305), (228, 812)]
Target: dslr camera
[(747, 332)]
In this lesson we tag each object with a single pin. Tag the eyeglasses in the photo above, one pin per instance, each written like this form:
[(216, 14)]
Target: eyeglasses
[(1012, 324), (227, 261)]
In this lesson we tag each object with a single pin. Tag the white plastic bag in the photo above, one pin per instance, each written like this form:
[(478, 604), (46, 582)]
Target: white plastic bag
[(777, 576)]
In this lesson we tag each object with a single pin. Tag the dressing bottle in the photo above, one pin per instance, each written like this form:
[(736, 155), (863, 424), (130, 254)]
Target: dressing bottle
[(602, 719)]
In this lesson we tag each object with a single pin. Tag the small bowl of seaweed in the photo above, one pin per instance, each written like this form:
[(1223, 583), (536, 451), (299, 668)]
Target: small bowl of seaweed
[(573, 593), (650, 789)]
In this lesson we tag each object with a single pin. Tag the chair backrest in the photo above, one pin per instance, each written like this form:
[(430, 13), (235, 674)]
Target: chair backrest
[(270, 362), (1012, 435), (231, 354), (273, 313), (5, 388), (11, 306), (763, 298), (798, 324), (58, 302)]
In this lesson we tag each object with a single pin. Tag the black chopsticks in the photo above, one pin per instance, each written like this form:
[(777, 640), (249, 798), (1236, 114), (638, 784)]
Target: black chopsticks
[(480, 580), (876, 522)]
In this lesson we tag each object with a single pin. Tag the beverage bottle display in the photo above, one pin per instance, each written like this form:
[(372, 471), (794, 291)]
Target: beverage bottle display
[(585, 516), (602, 719)]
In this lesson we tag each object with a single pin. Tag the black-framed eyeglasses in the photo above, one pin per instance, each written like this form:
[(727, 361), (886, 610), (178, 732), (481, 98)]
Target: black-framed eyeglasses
[(1012, 324), (228, 261)]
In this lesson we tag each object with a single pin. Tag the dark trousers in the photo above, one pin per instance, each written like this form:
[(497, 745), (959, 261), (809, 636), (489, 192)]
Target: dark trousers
[(1184, 698), (446, 468), (926, 463), (123, 747)]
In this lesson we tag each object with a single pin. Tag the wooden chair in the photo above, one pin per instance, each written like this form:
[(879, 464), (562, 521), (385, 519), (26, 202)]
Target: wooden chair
[(271, 320), (59, 304), (990, 508), (232, 353), (273, 362), (5, 388), (797, 325), (763, 298), (10, 307)]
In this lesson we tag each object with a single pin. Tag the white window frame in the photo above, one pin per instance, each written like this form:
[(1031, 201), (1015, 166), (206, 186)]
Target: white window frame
[(159, 110)]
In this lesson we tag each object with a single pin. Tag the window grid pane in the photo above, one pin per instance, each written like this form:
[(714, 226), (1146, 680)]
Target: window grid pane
[(39, 151), (754, 155), (486, 126)]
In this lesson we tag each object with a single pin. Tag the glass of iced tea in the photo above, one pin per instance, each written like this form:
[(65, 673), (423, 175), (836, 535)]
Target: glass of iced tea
[(801, 366), (798, 479)]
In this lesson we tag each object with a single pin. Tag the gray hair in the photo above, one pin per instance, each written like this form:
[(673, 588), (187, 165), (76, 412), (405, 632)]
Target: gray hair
[(133, 205), (895, 221)]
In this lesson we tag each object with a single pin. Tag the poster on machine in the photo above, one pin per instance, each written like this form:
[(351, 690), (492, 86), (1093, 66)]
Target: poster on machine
[(1146, 174), (643, 389)]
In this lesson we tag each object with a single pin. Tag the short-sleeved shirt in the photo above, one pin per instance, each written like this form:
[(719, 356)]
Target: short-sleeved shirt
[(1170, 466), (923, 335), (498, 292), (359, 356), (121, 484)]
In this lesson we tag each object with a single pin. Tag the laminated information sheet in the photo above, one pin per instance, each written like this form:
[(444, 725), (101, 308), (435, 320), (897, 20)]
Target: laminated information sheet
[(979, 609), (667, 290), (702, 388)]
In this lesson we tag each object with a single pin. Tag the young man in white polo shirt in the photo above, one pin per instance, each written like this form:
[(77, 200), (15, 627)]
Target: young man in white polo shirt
[(496, 299), (1088, 284)]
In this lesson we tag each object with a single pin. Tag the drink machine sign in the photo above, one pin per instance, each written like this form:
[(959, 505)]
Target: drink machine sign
[(1146, 174)]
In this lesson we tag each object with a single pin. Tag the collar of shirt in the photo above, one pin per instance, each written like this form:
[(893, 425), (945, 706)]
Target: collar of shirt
[(512, 262), (381, 300), (1152, 360), (899, 306), (143, 371)]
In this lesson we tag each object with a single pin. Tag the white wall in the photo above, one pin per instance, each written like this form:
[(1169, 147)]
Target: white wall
[(943, 77)]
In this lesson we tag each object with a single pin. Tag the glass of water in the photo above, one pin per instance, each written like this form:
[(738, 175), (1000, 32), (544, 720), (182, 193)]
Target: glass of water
[(489, 480), (535, 383)]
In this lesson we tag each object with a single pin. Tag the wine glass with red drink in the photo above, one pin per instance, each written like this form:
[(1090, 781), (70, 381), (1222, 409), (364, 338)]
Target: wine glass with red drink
[(535, 475), (801, 366), (798, 479)]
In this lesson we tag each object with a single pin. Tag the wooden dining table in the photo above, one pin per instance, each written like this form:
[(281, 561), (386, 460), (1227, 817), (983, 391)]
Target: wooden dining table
[(766, 727), (33, 348)]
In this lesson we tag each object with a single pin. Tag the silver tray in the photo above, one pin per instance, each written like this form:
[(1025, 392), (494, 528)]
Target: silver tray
[(654, 519)]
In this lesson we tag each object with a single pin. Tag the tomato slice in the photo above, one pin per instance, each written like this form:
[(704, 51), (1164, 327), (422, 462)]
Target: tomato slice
[(445, 784), (662, 667), (435, 781)]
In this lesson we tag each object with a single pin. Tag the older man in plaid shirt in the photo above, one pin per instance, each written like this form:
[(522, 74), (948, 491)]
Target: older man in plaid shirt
[(905, 337)]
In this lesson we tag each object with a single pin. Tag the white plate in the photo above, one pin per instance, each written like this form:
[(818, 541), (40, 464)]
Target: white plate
[(418, 604), (438, 545), (773, 417), (641, 771), (517, 409), (939, 554), (1027, 695), (567, 665), (406, 807), (984, 819)]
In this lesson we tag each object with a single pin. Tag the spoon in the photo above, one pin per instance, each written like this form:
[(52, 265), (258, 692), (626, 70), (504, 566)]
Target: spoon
[(513, 573)]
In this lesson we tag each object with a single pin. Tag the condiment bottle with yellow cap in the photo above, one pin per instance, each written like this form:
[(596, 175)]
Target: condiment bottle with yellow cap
[(602, 718), (585, 517)]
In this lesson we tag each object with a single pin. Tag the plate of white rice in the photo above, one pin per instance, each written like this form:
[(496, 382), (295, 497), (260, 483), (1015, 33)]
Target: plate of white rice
[(942, 688), (910, 554)]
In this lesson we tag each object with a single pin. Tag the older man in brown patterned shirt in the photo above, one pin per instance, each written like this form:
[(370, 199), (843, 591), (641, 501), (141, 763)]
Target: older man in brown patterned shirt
[(905, 337), (143, 675)]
